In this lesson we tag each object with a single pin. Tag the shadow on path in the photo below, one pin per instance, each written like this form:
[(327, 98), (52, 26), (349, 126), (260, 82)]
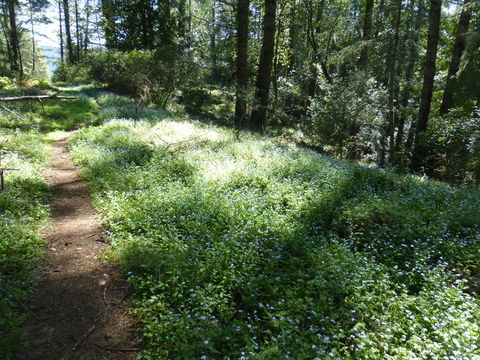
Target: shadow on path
[(82, 303)]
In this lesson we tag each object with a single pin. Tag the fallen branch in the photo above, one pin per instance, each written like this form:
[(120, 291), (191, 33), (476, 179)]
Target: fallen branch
[(37, 97), (12, 112), (108, 348)]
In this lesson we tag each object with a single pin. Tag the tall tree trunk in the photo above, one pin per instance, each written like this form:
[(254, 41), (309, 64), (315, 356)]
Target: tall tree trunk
[(66, 13), (392, 81), (257, 118), (86, 38), (367, 31), (77, 30), (420, 149), (109, 25), (6, 33), (32, 30), (411, 39), (62, 47), (458, 48), (165, 22), (276, 63), (213, 43), (13, 36), (314, 30), (292, 34), (242, 62)]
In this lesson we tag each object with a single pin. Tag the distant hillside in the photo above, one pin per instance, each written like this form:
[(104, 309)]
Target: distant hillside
[(53, 56)]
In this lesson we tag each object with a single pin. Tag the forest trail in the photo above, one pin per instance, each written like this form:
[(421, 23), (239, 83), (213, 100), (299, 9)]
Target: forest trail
[(82, 302)]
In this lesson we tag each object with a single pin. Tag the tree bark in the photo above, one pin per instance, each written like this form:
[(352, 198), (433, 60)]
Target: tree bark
[(77, 30), (66, 12), (257, 118), (62, 53), (13, 36), (412, 40), (292, 34), (420, 150), (86, 39), (242, 62), (213, 43), (367, 30), (32, 30), (38, 97), (458, 48), (109, 25), (392, 81), (314, 31)]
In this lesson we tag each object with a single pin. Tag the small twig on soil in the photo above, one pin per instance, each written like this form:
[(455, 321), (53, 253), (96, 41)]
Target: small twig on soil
[(84, 337), (108, 348)]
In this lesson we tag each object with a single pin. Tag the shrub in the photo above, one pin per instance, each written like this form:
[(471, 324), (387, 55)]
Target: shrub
[(454, 143), (349, 116), (151, 77), (72, 73)]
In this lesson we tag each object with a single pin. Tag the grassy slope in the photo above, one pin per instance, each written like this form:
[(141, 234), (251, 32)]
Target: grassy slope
[(23, 204), (245, 249)]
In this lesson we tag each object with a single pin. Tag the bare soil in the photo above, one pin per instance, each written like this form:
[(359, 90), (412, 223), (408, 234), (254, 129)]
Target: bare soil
[(82, 302)]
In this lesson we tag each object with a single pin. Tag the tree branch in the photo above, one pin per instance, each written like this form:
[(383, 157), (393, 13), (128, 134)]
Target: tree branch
[(37, 97)]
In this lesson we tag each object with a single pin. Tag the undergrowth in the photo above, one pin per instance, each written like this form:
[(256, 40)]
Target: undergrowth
[(243, 249)]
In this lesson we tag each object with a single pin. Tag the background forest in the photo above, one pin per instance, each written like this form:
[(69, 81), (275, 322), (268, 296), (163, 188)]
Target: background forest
[(204, 129), (392, 82)]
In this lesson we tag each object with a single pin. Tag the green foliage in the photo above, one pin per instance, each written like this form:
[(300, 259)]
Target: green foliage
[(6, 82), (71, 73), (454, 143), (243, 249), (22, 211), (349, 116), (207, 103), (151, 77)]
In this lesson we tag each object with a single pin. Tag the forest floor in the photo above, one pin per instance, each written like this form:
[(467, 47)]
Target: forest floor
[(83, 302)]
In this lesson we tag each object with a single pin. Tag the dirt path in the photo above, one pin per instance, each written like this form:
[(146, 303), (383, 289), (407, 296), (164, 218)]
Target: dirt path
[(82, 302)]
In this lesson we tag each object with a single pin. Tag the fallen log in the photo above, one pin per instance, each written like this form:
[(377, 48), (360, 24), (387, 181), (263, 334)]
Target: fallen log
[(37, 97)]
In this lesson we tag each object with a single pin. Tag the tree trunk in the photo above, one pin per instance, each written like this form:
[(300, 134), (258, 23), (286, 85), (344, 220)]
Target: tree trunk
[(13, 36), (257, 118), (62, 53), (314, 30), (242, 62), (292, 34), (165, 29), (77, 30), (6, 34), (412, 39), (32, 30), (86, 39), (213, 43), (66, 12), (420, 149), (367, 30), (109, 27), (392, 82), (458, 48)]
